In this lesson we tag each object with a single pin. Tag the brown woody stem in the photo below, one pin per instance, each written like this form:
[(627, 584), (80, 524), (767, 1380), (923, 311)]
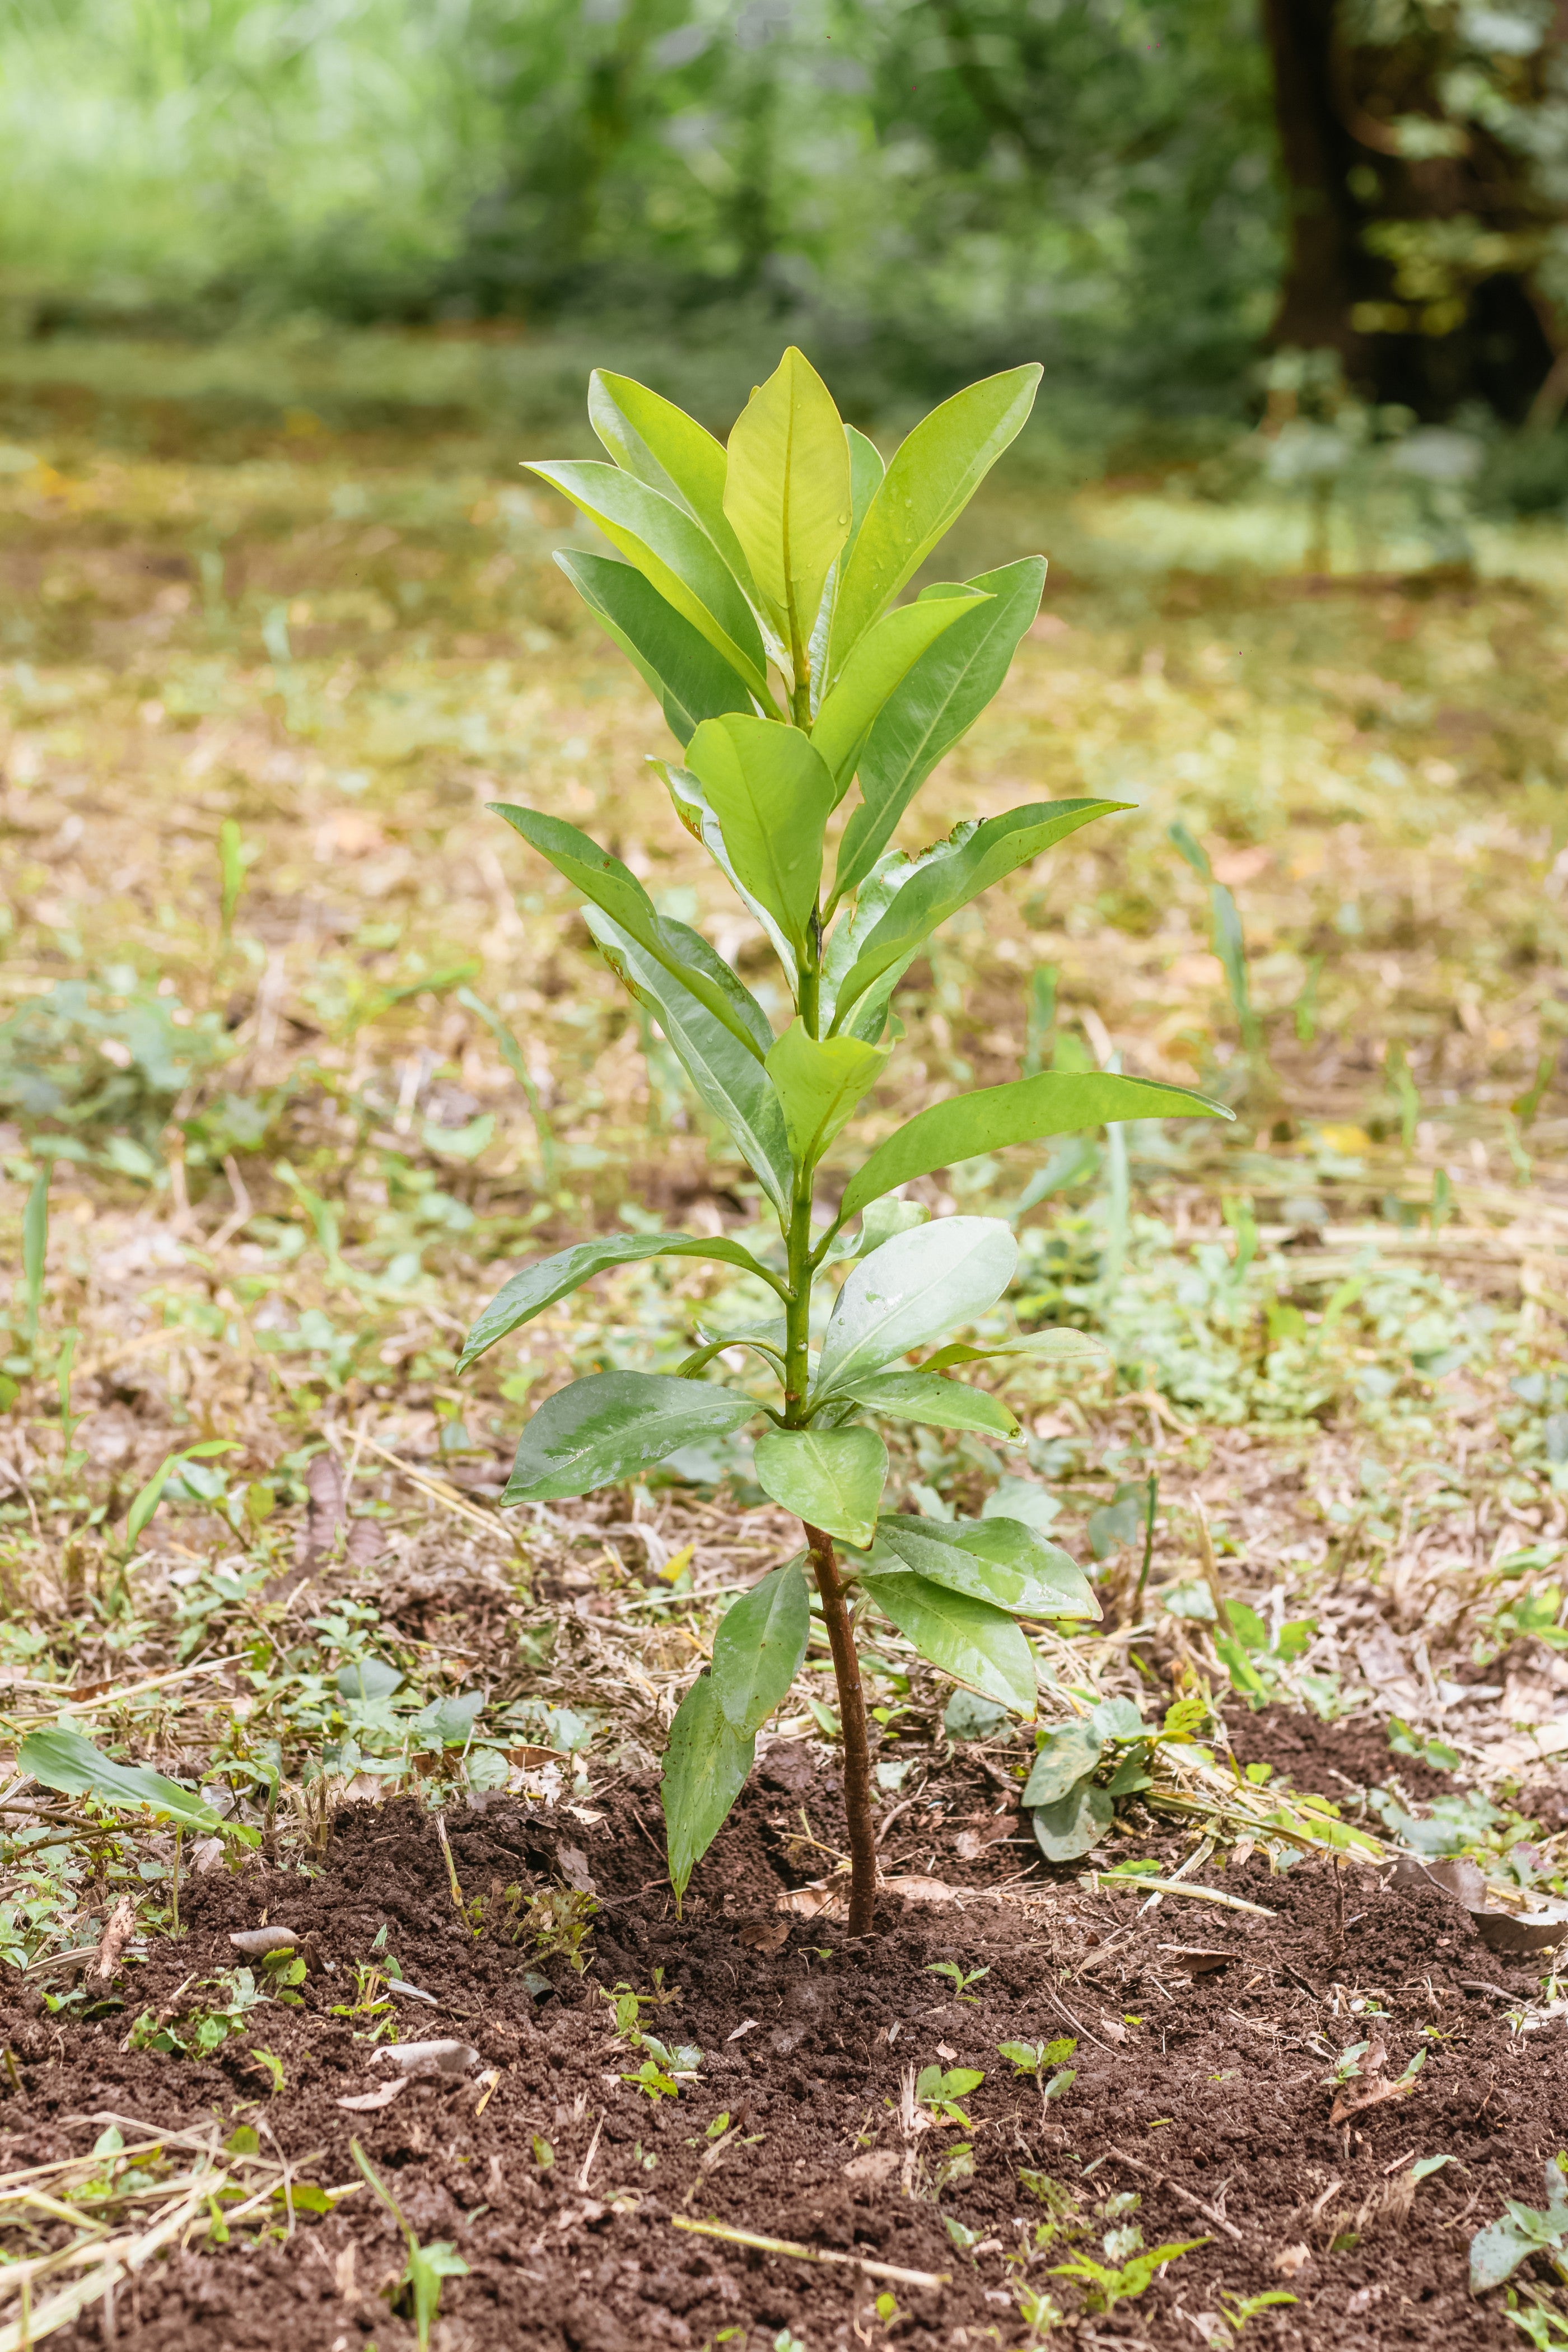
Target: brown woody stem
[(852, 1717)]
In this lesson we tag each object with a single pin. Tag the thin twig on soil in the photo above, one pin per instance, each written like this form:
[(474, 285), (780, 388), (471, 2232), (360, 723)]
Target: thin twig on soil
[(810, 2253), (1181, 2196)]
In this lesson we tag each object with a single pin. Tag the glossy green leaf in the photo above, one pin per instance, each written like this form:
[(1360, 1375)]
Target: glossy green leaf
[(997, 1559), (705, 1768), (788, 492), (818, 1081), (650, 437), (772, 794), (683, 952), (1061, 1761), (672, 552), (974, 856), (729, 1080), (866, 472), (760, 1647), (1021, 1112), (927, 1398), (942, 695), (65, 1761), (831, 1478), (929, 482), (884, 655), (675, 660), (1058, 1346), (613, 1424), (916, 1285), (1066, 1829), (691, 804), (967, 1638), (539, 1285)]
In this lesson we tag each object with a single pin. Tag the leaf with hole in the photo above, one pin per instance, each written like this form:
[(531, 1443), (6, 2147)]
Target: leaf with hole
[(915, 1285), (1020, 1112), (613, 1424), (539, 1286), (831, 1478), (760, 1647), (705, 1766), (968, 1638)]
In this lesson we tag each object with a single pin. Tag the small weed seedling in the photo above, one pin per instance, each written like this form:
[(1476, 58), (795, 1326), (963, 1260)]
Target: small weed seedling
[(960, 1978), (426, 2267), (1497, 2251), (940, 2094), (1034, 2057), (1126, 2273), (754, 588), (1234, 2312)]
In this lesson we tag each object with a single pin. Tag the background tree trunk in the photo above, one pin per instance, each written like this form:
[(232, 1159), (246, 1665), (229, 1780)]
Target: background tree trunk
[(1417, 266)]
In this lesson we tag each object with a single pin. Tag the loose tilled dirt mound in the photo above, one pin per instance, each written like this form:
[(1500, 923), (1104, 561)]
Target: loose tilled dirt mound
[(1200, 2085)]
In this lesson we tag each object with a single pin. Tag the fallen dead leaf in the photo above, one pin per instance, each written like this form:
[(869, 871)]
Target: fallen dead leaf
[(575, 1869), (381, 2097), (814, 1903), (875, 2166), (765, 1934), (1291, 2261), (1198, 1960)]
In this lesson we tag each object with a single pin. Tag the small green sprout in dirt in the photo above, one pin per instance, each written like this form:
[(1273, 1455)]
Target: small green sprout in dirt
[(663, 2069), (1034, 2057), (960, 1978), (940, 2093), (1224, 2326), (559, 1920), (1497, 2251), (543, 2154), (1040, 2312), (1536, 2320), (201, 2031), (426, 2266), (754, 587), (1133, 2268)]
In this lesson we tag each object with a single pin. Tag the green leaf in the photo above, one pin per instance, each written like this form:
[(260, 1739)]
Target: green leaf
[(1497, 2251), (683, 952), (539, 1285), (940, 1404), (915, 1286), (147, 1498), (866, 472), (64, 1760), (675, 660), (884, 655), (929, 483), (1059, 1346), (939, 698), (613, 1424), (772, 794), (1063, 1758), (968, 1638), (999, 1560), (1021, 1112), (831, 1478), (671, 551), (696, 814), (819, 1082), (650, 437), (760, 1646), (1074, 1822), (977, 856), (729, 1082), (788, 492), (705, 1766)]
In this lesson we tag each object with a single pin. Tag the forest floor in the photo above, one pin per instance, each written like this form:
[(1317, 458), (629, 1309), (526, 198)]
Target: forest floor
[(312, 1058)]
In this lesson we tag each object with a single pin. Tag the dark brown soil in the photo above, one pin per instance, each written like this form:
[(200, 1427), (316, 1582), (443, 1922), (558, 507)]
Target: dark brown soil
[(1213, 2082)]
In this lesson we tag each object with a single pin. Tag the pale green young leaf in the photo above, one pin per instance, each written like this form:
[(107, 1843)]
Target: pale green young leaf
[(831, 1478), (927, 1398), (705, 1766), (613, 1424), (650, 437), (819, 1082), (866, 474), (674, 660), (941, 696), (1058, 1346), (975, 1643), (672, 552), (916, 1285), (974, 856), (849, 934), (696, 812), (539, 1285), (885, 656), (1023, 1111), (998, 1559), (684, 953), (146, 1499), (730, 1081), (1065, 1830), (64, 1760), (1061, 1760), (760, 1646), (788, 492), (929, 482), (772, 794)]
